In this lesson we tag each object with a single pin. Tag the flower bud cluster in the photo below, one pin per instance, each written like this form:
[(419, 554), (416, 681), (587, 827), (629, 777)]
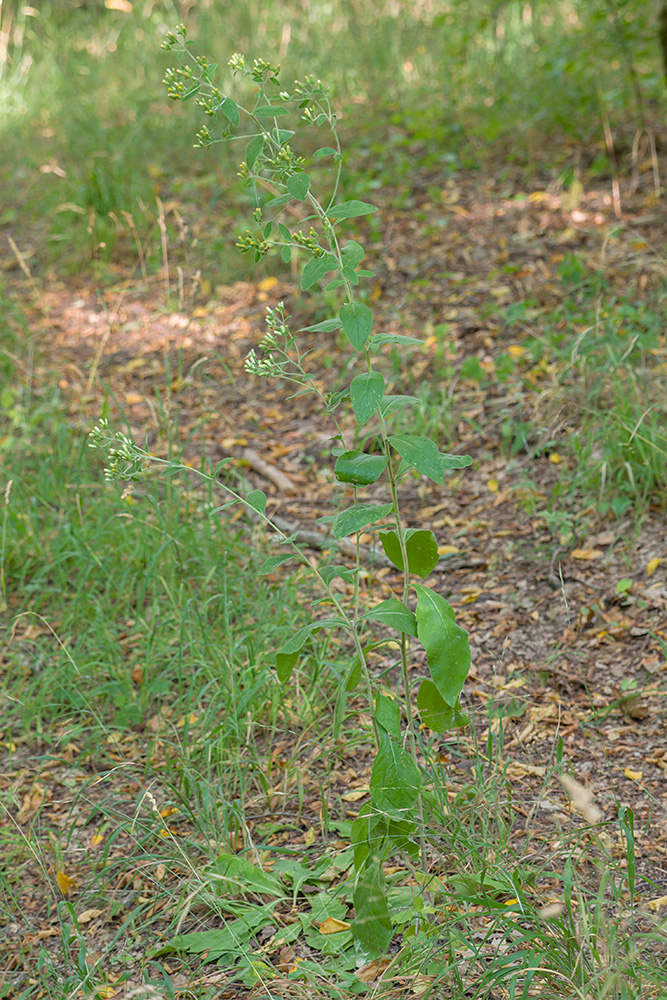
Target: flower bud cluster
[(262, 71), (172, 39), (178, 82), (126, 460), (266, 367), (309, 242), (248, 241)]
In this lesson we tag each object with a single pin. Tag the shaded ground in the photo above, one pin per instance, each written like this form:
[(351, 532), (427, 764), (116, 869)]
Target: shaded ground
[(555, 646)]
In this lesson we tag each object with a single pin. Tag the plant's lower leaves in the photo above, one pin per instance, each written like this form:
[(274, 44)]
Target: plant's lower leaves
[(436, 713), (359, 469), (395, 778), (372, 927), (394, 613), (421, 547), (353, 519), (446, 643)]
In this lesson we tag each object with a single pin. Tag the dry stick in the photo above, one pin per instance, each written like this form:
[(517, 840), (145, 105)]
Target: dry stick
[(140, 250), (163, 239), (267, 470), (609, 140)]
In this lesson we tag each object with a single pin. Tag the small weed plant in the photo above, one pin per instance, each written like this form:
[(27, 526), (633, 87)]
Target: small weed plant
[(396, 820)]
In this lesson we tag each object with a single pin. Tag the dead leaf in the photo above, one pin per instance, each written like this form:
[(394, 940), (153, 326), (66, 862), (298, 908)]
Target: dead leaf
[(633, 775), (355, 795), (653, 565), (65, 882), (374, 969), (587, 554), (88, 915), (333, 926), (581, 799)]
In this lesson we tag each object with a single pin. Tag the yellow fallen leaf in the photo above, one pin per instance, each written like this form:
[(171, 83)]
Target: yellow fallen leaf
[(657, 904), (333, 926), (448, 550), (105, 992), (555, 458), (492, 485), (309, 837), (653, 565), (472, 597), (633, 775), (190, 719), (266, 284), (97, 839), (355, 795), (169, 811), (124, 6), (587, 554), (65, 882), (160, 872), (200, 312), (88, 915), (516, 350)]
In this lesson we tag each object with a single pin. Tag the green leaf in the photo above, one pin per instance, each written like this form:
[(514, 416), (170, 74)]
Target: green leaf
[(354, 676), (286, 254), (446, 643), (421, 547), (336, 283), (221, 941), (273, 562), (233, 874), (357, 321), (394, 614), (257, 500), (454, 461), (359, 469), (253, 150), (388, 715), (351, 209), (352, 254), (436, 713), (270, 111), (366, 392), (280, 200), (372, 927), (326, 326), (324, 151), (288, 654), (380, 339), (316, 269), (284, 232), (298, 185), (395, 778), (328, 573), (419, 453), (353, 519), (282, 135), (391, 403), (230, 110), (350, 275)]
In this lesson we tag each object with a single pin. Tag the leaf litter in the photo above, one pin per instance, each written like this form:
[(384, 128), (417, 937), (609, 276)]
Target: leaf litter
[(561, 656)]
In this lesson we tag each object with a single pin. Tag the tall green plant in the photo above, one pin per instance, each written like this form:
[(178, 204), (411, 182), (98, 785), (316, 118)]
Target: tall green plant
[(395, 819)]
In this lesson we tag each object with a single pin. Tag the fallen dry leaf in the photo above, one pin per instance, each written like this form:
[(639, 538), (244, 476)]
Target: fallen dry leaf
[(653, 565), (587, 554), (333, 926), (65, 882), (581, 799)]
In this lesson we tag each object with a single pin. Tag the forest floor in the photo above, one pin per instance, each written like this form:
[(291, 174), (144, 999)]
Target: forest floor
[(569, 636)]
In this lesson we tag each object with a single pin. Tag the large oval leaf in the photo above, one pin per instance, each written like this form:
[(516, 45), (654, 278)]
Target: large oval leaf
[(446, 643), (366, 391), (395, 778), (436, 713), (420, 453), (421, 547), (357, 321), (298, 185), (360, 516), (394, 614), (316, 269), (351, 210), (359, 469)]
